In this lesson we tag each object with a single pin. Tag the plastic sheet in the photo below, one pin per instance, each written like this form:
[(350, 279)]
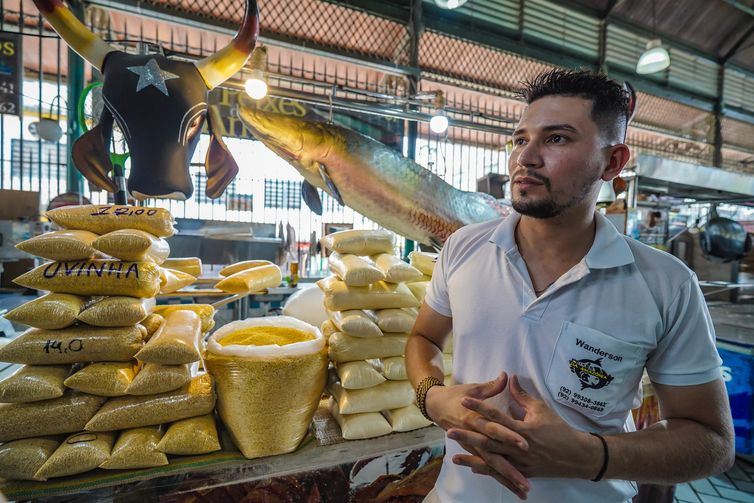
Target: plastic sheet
[(344, 348), (360, 242), (133, 245), (195, 399), (66, 414), (102, 219), (33, 383), (193, 436), (395, 320), (61, 245), (267, 395), (104, 378), (423, 261), (22, 459), (395, 269), (252, 280), (356, 323), (95, 277), (205, 311), (116, 311), (136, 448), (388, 395), (242, 266), (354, 270), (173, 280), (189, 265), (52, 311), (79, 453), (154, 378), (358, 375), (406, 418), (77, 344), (380, 295), (176, 342), (360, 426)]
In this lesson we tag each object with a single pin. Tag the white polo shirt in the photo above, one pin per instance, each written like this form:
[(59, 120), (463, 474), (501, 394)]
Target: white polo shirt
[(581, 346)]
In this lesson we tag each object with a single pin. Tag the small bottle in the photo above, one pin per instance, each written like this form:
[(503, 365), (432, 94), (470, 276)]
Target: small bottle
[(294, 273)]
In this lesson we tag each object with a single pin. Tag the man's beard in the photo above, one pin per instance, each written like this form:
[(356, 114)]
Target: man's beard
[(548, 208)]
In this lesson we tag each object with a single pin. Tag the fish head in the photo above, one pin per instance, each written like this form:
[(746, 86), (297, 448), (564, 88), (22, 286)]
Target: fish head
[(304, 144)]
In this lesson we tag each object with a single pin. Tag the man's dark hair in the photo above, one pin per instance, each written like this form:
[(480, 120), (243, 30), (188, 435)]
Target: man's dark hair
[(609, 99)]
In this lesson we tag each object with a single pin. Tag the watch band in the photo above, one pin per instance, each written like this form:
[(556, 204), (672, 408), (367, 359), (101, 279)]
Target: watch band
[(421, 393)]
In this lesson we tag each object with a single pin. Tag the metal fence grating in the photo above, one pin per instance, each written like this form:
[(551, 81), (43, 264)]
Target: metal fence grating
[(674, 118)]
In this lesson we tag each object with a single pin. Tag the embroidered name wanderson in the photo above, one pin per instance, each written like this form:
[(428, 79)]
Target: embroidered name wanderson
[(598, 351)]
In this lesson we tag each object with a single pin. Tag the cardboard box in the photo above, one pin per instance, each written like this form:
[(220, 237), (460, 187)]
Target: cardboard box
[(15, 204)]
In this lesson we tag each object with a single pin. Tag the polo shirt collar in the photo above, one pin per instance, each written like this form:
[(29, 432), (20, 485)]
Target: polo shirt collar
[(608, 250)]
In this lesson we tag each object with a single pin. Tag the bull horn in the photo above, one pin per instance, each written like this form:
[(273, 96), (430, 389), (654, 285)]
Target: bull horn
[(78, 37), (219, 67)]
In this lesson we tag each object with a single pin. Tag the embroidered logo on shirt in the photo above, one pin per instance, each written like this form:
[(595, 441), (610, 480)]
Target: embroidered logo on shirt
[(590, 373)]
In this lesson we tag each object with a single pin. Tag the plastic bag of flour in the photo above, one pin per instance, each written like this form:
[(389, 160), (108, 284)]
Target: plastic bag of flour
[(136, 448), (32, 383), (388, 395), (117, 311), (359, 426), (22, 459), (95, 277), (52, 311), (380, 295), (195, 399), (395, 320), (354, 270), (102, 219), (133, 245), (66, 414), (104, 378), (172, 281), (242, 266), (396, 270), (394, 368), (423, 261), (328, 328), (356, 323), (61, 245), (189, 265), (307, 304), (151, 323), (358, 375), (270, 375), (193, 436), (154, 378), (79, 453), (77, 344), (406, 418), (344, 348), (252, 280), (205, 311), (176, 341), (419, 289), (360, 242)]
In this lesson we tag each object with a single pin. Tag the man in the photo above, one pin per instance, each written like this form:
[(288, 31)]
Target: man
[(555, 316)]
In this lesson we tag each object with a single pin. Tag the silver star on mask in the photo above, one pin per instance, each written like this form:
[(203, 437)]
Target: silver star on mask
[(152, 75)]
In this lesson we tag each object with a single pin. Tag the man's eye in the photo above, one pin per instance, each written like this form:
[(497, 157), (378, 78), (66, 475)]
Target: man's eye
[(519, 141), (556, 138)]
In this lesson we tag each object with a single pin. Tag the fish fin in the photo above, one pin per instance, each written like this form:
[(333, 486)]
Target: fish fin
[(311, 197), (436, 244), (330, 184)]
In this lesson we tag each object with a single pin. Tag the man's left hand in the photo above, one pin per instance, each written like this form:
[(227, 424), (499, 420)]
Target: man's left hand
[(555, 449)]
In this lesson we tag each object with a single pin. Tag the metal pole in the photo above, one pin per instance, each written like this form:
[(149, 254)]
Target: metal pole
[(415, 29), (75, 85)]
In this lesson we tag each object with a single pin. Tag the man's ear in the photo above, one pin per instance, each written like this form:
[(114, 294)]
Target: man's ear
[(619, 156)]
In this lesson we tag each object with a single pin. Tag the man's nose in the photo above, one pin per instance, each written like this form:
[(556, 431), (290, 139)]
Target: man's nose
[(529, 155)]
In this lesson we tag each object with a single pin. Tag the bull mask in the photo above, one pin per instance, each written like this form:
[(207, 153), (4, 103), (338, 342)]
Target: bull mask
[(160, 104)]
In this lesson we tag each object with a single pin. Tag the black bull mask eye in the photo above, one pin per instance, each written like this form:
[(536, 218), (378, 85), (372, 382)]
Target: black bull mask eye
[(160, 106)]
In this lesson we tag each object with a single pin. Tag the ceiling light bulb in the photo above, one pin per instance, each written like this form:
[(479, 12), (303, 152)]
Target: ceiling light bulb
[(256, 87), (654, 59), (450, 4), (438, 123)]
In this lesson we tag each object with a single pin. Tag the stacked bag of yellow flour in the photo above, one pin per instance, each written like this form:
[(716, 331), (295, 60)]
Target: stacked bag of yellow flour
[(371, 311), (101, 363)]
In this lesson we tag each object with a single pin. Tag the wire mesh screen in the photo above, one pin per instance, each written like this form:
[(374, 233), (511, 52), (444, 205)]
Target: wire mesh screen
[(674, 118), (738, 134)]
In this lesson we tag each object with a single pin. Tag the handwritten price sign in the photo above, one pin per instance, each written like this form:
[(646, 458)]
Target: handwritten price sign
[(10, 73)]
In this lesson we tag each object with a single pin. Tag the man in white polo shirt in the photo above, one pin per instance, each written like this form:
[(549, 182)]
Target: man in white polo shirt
[(555, 317)]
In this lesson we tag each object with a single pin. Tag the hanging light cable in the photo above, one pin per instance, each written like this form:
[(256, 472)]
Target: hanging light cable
[(256, 84), (439, 121)]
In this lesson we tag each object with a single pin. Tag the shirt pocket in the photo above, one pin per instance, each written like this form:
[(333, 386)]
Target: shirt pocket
[(593, 372)]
